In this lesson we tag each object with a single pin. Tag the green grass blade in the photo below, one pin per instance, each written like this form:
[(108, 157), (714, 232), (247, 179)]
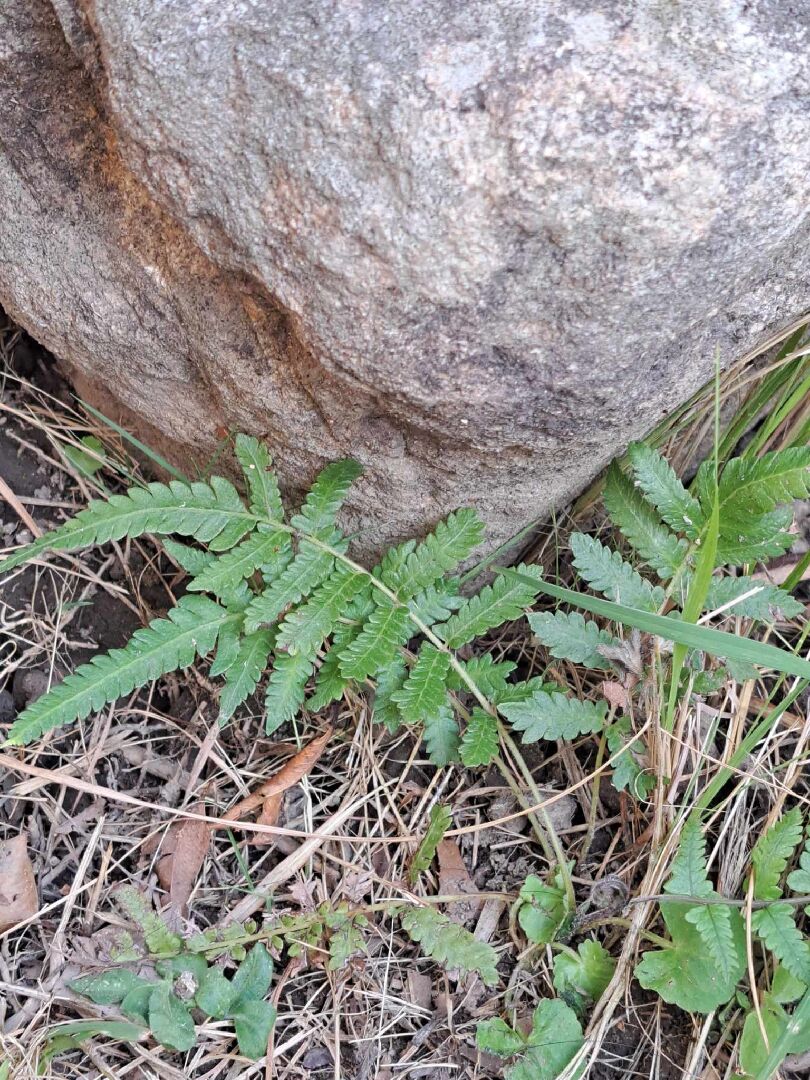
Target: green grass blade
[(716, 642), (153, 455)]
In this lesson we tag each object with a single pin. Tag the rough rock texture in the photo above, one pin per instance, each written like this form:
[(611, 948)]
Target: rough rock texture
[(477, 245)]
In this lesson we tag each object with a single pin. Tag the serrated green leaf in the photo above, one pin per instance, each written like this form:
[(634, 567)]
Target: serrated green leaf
[(688, 874), (110, 987), (450, 944), (641, 525), (588, 973), (317, 516), (488, 675), (305, 628), (211, 513), (500, 602), (662, 489), (253, 1024), (242, 678), (412, 566), (554, 716), (713, 923), (555, 1038), (439, 822), (776, 927), (772, 852), (424, 692), (386, 630), (189, 630), (799, 880), (436, 603), (760, 600), (228, 641), (756, 485), (608, 573), (442, 736), (685, 974), (628, 773), (310, 567), (385, 709), (170, 1021), (542, 909), (214, 994), (286, 688), (755, 539), (257, 465), (329, 683), (496, 1037), (523, 691), (569, 636), (480, 741), (345, 941), (192, 560), (240, 562)]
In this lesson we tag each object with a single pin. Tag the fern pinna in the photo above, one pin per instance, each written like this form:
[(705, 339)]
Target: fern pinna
[(267, 593)]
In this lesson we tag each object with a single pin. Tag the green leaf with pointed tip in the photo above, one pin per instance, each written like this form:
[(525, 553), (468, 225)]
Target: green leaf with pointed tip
[(425, 690), (772, 852), (588, 973), (688, 874), (329, 683), (189, 630), (554, 716), (192, 560), (257, 465), (641, 525), (386, 630), (305, 628), (753, 1051), (170, 1020), (685, 974), (450, 944), (317, 516), (253, 1024), (252, 979), (441, 736), (286, 688), (439, 822), (752, 599), (110, 987), (488, 675), (309, 568), (569, 636), (661, 488), (242, 678), (500, 602), (385, 709), (608, 573), (480, 741), (240, 562), (135, 1005), (412, 566)]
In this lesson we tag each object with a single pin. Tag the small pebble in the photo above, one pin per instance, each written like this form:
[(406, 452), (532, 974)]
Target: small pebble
[(7, 710), (28, 686)]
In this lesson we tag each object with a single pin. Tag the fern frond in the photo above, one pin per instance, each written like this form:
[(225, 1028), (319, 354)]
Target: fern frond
[(479, 743), (440, 819), (772, 852), (642, 527), (391, 678), (192, 560), (713, 923), (657, 480), (317, 515), (688, 875), (242, 677), (755, 539), (777, 928), (441, 736), (436, 603), (608, 573), (768, 603), (411, 567), (189, 630), (757, 485), (286, 688), (212, 513), (569, 636), (227, 570), (329, 683), (227, 647), (309, 568), (257, 465), (523, 691), (305, 628), (450, 944), (554, 716), (425, 689), (487, 674), (495, 604), (628, 774), (385, 631)]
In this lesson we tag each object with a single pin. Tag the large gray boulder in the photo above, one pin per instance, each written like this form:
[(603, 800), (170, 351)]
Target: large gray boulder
[(478, 245)]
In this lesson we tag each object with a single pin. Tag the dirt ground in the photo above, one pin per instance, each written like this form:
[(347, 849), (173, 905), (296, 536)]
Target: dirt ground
[(387, 1012)]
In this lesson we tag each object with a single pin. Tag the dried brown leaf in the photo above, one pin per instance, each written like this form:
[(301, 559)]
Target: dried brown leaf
[(454, 878), (184, 851), (18, 888)]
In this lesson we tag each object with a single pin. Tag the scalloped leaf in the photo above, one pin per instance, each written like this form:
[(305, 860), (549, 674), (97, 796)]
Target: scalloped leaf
[(424, 692), (385, 631), (661, 487), (240, 562), (257, 465), (641, 526), (608, 573), (286, 688), (480, 742), (569, 636), (554, 716)]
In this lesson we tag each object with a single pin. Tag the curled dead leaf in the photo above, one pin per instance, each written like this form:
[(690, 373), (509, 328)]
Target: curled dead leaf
[(183, 853), (18, 887)]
